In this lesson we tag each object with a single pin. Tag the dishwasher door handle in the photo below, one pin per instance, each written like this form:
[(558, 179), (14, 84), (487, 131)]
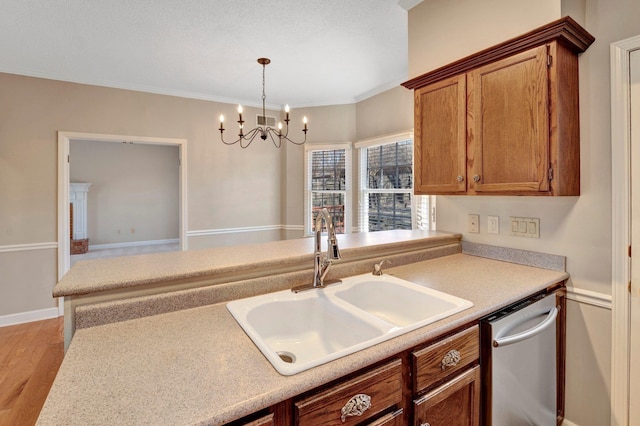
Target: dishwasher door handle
[(523, 335)]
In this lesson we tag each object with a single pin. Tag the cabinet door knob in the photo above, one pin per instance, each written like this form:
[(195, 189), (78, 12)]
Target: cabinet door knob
[(460, 178), (356, 406), (451, 359), (476, 178), (425, 424)]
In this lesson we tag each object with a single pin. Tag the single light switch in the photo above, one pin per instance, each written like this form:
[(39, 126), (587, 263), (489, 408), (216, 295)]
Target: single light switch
[(522, 226), (493, 224)]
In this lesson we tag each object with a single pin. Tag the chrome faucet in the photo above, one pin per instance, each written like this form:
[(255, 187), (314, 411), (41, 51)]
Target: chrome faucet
[(322, 264)]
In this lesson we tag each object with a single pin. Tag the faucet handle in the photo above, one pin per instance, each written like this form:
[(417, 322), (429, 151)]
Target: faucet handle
[(333, 251), (377, 268)]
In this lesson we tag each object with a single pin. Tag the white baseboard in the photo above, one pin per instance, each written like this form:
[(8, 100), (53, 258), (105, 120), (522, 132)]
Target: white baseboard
[(222, 231), (566, 422), (133, 244), (22, 317)]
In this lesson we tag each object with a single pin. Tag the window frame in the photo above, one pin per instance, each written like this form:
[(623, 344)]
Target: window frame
[(420, 204), (309, 149)]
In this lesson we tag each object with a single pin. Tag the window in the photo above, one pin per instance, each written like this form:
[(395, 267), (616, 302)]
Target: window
[(328, 184), (386, 187)]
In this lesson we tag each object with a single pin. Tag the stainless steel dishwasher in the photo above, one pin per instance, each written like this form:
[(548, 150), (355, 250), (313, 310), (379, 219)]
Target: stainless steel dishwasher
[(519, 363)]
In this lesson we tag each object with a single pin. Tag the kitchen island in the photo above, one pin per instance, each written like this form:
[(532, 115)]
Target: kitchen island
[(197, 366)]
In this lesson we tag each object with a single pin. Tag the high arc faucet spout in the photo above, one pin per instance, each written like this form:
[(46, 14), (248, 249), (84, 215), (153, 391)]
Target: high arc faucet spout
[(322, 264)]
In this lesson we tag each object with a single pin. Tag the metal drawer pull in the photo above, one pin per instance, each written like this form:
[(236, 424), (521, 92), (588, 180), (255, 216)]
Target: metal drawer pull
[(356, 406), (451, 359)]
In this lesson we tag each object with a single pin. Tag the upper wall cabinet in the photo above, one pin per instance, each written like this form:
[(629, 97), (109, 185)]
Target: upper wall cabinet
[(504, 120)]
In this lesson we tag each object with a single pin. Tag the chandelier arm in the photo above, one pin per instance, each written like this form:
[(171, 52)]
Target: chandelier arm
[(271, 132), (294, 142), (248, 137)]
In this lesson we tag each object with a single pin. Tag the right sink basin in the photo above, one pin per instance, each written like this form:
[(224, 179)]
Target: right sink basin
[(398, 302)]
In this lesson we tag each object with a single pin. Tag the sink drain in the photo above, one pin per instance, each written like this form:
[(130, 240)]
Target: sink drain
[(287, 357)]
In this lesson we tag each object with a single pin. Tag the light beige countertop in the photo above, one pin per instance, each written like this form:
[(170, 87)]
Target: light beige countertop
[(273, 257), (197, 366)]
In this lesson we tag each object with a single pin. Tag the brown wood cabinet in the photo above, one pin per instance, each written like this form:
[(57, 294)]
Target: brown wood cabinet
[(505, 120), (448, 371)]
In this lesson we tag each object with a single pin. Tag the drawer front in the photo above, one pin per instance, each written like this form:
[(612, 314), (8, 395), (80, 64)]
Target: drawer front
[(355, 400), (438, 361)]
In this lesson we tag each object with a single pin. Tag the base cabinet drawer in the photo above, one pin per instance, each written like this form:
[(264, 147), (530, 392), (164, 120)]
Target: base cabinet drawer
[(442, 359), (457, 402), (355, 400)]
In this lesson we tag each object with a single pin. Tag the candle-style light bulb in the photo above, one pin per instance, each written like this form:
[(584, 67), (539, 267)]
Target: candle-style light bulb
[(286, 108), (221, 122), (240, 114), (279, 125), (304, 120)]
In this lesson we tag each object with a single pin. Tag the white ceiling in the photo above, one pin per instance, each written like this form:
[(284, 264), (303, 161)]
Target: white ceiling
[(322, 52)]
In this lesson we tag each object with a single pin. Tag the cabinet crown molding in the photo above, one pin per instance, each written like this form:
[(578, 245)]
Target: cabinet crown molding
[(564, 30)]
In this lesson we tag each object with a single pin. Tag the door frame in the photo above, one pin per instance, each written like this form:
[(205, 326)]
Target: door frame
[(64, 240), (621, 226)]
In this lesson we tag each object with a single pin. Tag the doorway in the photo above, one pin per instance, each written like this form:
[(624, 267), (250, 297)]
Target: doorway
[(64, 141), (625, 152)]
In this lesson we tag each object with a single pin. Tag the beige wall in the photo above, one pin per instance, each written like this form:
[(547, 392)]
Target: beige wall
[(227, 187), (134, 193), (577, 227)]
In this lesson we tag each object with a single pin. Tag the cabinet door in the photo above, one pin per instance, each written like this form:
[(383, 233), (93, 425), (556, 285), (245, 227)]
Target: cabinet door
[(508, 120), (440, 137), (457, 402)]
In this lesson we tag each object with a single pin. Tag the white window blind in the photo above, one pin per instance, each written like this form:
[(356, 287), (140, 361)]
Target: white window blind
[(386, 187), (328, 184)]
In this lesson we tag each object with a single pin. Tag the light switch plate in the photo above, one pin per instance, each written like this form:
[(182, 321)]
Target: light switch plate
[(474, 223), (525, 227), (493, 224)]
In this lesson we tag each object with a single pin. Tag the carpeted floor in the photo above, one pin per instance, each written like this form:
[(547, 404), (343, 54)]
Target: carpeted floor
[(124, 251)]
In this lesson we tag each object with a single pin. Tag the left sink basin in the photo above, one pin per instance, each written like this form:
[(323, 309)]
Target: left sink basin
[(297, 331)]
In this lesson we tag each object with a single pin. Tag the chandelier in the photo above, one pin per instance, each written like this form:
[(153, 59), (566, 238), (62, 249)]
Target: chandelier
[(275, 135)]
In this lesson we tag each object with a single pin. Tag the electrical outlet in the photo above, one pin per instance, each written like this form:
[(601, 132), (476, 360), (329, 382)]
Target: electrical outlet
[(493, 224), (474, 223), (525, 227)]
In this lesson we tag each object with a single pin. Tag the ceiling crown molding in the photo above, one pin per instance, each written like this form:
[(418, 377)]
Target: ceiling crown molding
[(408, 4)]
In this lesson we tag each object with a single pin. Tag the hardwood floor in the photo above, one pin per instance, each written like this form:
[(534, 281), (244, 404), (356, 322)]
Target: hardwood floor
[(30, 356)]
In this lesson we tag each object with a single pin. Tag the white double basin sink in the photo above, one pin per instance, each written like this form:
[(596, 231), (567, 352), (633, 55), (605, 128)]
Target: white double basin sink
[(298, 331)]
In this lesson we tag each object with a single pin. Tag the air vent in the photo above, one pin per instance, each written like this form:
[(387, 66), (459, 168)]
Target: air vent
[(266, 121)]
